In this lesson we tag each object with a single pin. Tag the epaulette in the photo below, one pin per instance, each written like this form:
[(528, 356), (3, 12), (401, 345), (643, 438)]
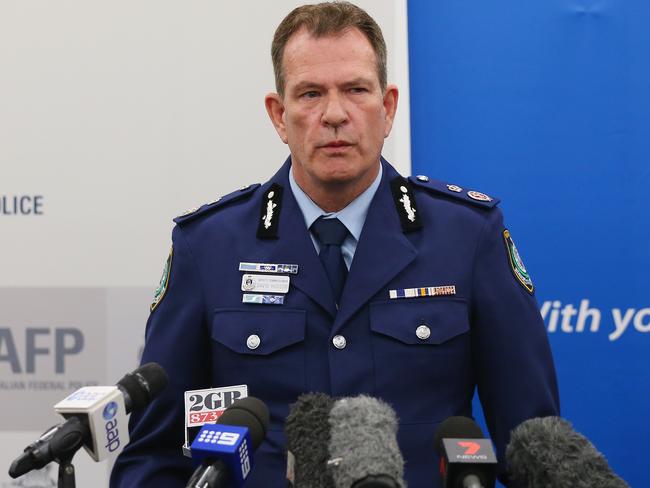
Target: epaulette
[(214, 204), (454, 191)]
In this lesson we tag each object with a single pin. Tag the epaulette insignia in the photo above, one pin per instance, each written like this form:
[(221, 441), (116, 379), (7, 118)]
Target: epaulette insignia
[(189, 212), (270, 213), (216, 203), (455, 191), (405, 204), (477, 195)]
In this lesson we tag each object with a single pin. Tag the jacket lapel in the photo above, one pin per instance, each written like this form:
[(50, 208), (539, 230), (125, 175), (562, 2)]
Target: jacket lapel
[(382, 252), (293, 245)]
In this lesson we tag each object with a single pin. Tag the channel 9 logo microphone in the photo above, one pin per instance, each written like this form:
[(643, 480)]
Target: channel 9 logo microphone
[(96, 418), (223, 451)]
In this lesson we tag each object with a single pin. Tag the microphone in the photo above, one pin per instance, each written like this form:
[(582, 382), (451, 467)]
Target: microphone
[(224, 450), (547, 451), (96, 420), (467, 458), (363, 444), (307, 430)]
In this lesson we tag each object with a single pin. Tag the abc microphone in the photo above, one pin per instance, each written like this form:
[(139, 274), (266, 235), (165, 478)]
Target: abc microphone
[(96, 418), (467, 458), (224, 450), (548, 452)]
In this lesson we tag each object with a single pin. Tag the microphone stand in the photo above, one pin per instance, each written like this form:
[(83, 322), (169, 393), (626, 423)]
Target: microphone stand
[(211, 474), (64, 445), (58, 444), (66, 474)]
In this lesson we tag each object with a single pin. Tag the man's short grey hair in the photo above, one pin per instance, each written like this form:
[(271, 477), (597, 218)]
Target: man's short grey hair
[(326, 19)]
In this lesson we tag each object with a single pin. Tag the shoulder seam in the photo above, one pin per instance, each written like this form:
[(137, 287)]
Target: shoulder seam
[(455, 192), (216, 204)]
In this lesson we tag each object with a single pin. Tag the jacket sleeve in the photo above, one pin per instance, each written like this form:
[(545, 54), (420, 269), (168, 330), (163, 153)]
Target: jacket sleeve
[(176, 337), (515, 372)]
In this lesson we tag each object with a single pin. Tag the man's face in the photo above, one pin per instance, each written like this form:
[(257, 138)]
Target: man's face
[(334, 115)]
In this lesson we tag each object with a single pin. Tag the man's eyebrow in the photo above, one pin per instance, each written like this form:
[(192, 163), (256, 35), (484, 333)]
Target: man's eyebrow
[(303, 85), (357, 81)]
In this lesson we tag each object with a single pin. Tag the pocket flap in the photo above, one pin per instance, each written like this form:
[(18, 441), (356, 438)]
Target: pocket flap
[(275, 329), (444, 319)]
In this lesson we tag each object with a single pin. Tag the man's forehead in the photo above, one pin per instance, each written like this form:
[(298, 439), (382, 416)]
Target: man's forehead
[(348, 50)]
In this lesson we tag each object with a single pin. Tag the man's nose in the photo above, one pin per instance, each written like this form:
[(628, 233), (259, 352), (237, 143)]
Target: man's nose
[(334, 113)]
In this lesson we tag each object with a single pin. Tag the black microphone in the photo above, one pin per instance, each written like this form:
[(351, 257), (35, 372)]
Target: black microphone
[(467, 458), (104, 408), (141, 386), (307, 430), (547, 451), (222, 449), (363, 444)]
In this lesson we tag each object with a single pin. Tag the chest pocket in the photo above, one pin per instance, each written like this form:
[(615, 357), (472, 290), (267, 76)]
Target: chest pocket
[(422, 349), (263, 349), (271, 330), (431, 321)]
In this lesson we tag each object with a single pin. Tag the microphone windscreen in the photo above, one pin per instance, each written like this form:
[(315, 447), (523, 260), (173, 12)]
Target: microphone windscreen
[(248, 412), (547, 451), (363, 443), (456, 428), (143, 385), (308, 435)]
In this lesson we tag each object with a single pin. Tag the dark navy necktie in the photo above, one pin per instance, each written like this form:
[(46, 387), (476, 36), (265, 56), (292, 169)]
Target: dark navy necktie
[(330, 234)]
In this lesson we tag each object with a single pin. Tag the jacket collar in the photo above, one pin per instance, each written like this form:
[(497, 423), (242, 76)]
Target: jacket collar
[(382, 251)]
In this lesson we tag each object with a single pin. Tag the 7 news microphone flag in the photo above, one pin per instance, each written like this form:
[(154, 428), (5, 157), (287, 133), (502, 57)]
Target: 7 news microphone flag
[(467, 458)]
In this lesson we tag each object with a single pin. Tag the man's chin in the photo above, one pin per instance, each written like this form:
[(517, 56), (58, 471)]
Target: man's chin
[(338, 178)]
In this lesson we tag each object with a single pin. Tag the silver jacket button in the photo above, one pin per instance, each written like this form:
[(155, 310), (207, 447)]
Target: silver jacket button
[(423, 332), (422, 178), (339, 342), (253, 341)]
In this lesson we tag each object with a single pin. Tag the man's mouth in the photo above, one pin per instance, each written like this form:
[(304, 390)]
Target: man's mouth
[(337, 144)]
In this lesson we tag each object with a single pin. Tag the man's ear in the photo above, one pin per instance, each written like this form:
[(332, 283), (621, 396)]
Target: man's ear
[(390, 107), (275, 109)]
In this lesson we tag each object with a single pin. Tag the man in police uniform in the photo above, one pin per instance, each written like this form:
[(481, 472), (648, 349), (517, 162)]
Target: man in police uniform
[(410, 290)]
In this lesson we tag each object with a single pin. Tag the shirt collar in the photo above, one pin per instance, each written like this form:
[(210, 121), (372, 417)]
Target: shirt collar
[(353, 215)]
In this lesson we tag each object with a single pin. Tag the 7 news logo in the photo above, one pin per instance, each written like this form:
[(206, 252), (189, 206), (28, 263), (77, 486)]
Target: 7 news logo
[(472, 449)]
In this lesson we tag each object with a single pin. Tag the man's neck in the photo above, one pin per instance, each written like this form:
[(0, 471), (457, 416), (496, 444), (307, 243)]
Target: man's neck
[(337, 195)]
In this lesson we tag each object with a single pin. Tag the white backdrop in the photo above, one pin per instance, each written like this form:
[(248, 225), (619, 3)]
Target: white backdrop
[(118, 116)]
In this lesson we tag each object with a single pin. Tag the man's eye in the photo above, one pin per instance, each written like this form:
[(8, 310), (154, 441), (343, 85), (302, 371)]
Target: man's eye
[(310, 94), (358, 89)]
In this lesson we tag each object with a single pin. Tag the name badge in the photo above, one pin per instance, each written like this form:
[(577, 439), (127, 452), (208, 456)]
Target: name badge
[(265, 283)]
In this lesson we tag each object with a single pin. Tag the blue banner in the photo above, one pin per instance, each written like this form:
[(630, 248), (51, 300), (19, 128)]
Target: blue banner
[(547, 106)]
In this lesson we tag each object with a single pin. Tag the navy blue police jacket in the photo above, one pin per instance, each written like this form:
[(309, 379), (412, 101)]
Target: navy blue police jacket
[(487, 335)]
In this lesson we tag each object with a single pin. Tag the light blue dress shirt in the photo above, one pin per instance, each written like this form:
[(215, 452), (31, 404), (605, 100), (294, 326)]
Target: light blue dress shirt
[(353, 216)]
